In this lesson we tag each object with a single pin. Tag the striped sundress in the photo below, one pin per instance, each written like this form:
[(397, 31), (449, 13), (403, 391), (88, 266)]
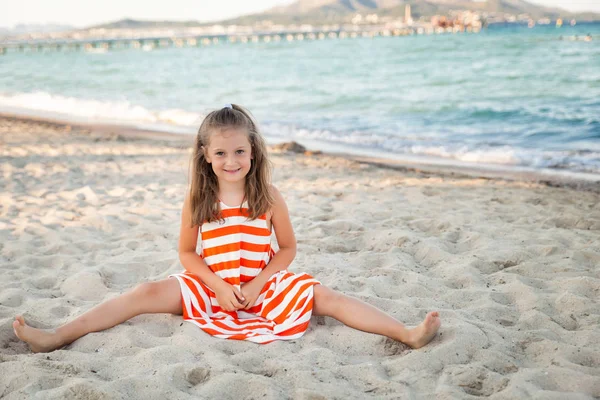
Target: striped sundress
[(237, 249)]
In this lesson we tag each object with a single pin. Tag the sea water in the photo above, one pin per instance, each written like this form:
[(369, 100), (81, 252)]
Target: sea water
[(510, 96)]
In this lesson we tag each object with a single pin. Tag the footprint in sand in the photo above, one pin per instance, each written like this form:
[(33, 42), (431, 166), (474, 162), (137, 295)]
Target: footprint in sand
[(60, 311), (197, 376), (501, 298), (11, 297), (45, 282), (475, 380), (394, 348), (585, 358), (80, 391)]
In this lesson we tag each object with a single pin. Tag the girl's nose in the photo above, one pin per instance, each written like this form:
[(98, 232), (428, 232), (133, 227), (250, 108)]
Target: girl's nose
[(230, 161)]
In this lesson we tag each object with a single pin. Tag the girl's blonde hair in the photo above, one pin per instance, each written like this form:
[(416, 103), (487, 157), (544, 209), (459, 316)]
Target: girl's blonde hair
[(204, 187)]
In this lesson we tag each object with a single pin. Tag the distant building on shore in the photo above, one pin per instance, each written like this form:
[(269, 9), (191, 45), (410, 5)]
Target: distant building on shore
[(407, 15)]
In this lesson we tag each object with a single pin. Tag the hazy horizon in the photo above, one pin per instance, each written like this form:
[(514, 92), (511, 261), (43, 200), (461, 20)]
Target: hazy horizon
[(37, 12)]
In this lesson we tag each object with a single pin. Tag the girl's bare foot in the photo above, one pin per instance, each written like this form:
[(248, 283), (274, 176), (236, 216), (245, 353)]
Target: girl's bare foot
[(38, 340), (425, 331)]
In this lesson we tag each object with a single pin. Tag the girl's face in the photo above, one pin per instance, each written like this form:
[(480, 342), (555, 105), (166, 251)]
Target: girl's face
[(230, 154)]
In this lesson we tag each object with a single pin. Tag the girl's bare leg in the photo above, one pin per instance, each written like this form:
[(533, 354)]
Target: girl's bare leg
[(360, 315), (152, 297)]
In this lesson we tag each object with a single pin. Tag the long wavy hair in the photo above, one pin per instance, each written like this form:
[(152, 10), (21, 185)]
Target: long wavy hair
[(204, 185)]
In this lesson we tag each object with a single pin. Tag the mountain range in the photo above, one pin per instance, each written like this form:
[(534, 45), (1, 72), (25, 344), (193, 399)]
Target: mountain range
[(330, 11), (341, 11)]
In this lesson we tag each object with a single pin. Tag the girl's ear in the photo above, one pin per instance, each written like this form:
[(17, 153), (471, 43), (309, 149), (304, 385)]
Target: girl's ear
[(206, 156)]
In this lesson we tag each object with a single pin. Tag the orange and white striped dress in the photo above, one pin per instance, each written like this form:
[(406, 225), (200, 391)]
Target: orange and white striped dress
[(237, 249)]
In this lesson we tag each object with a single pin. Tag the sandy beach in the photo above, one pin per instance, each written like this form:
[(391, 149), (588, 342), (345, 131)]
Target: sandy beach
[(512, 266)]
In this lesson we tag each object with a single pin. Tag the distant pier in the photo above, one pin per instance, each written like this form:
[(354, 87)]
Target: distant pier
[(104, 44)]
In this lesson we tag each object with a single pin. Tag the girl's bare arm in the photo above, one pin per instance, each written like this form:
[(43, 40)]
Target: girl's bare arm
[(191, 261), (286, 239)]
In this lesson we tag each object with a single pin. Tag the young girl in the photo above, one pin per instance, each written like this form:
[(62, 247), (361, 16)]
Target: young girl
[(237, 287)]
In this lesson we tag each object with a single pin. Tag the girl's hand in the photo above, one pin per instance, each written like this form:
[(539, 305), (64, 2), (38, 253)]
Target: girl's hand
[(228, 297), (251, 290)]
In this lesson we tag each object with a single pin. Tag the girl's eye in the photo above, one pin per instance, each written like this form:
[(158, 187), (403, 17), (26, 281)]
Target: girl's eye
[(240, 152), (219, 153)]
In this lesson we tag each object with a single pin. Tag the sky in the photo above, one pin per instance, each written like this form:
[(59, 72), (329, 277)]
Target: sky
[(80, 13)]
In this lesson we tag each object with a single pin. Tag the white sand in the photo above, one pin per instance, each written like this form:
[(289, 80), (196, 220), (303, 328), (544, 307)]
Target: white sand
[(512, 267)]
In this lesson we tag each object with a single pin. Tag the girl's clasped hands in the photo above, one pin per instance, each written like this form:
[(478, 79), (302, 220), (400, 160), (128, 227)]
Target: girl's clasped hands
[(230, 298)]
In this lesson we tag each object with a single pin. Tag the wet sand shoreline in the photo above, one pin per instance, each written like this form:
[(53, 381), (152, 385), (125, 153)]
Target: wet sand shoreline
[(557, 178)]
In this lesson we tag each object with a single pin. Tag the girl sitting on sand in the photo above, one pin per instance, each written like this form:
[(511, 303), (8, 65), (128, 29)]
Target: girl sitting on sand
[(237, 287)]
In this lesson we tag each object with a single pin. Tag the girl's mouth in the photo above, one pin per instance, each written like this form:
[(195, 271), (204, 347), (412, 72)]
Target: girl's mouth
[(231, 171)]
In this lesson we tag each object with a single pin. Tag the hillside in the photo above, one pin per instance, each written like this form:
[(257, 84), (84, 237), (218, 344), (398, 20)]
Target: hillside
[(143, 24), (328, 11), (339, 11)]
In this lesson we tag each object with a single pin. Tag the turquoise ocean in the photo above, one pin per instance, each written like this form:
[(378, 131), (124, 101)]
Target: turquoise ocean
[(509, 97)]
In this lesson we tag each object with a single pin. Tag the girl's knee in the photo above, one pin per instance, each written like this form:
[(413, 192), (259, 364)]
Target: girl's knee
[(146, 289), (326, 300), (159, 296)]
